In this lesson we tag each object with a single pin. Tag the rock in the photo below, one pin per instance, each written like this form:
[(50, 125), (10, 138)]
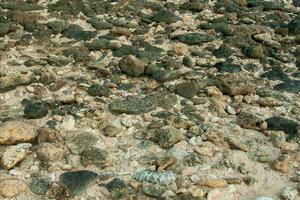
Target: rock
[(76, 182), (35, 109), (81, 142), (296, 3), (132, 66), (165, 16), (125, 50), (123, 193), (290, 127), (99, 90), (281, 164), (224, 51), (289, 193), (94, 156), (131, 105), (153, 190), (234, 84), (163, 178), (12, 188), (111, 131), (13, 76), (251, 121), (79, 53), (276, 73), (212, 183), (294, 25), (167, 136), (58, 26), (13, 132), (189, 61), (256, 52), (40, 185), (116, 183), (187, 89), (289, 86), (49, 152), (263, 198), (118, 31), (12, 156), (277, 138), (4, 28), (269, 102), (213, 91), (100, 24), (194, 38), (49, 135), (266, 92), (78, 33), (227, 67), (68, 123)]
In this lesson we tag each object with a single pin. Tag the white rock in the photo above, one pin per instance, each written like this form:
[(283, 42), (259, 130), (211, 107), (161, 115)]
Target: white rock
[(68, 123), (289, 193), (12, 157), (263, 198)]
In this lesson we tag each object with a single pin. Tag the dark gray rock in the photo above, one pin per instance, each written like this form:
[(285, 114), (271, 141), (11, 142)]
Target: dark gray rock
[(94, 156), (292, 86), (35, 109), (194, 38), (77, 182), (58, 26), (276, 73), (4, 28), (40, 185), (81, 142), (116, 183), (125, 50), (290, 127), (187, 89), (131, 105), (78, 33), (227, 67), (99, 90), (165, 16)]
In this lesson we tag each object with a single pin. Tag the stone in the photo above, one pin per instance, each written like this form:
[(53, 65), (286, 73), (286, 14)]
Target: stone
[(78, 33), (277, 138), (263, 198), (251, 121), (99, 90), (294, 25), (163, 178), (116, 183), (167, 136), (123, 193), (256, 52), (153, 190), (35, 109), (125, 50), (189, 61), (81, 142), (227, 67), (224, 51), (165, 16), (281, 164), (289, 193), (12, 188), (4, 28), (234, 84), (49, 152), (276, 73), (187, 89), (76, 182), (40, 185), (49, 135), (58, 26), (13, 132), (111, 131), (290, 127), (132, 66), (100, 24), (79, 53), (292, 86), (212, 183), (194, 38), (94, 156), (12, 156), (131, 105)]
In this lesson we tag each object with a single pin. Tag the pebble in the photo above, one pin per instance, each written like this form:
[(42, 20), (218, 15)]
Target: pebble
[(12, 188)]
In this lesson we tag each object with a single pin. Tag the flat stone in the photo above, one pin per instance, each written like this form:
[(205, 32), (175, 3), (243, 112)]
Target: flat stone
[(194, 38), (290, 127), (35, 109), (289, 86), (163, 178), (94, 156), (49, 152), (187, 89), (81, 142), (234, 84), (12, 156), (40, 185), (99, 90), (12, 188), (76, 182), (13, 132), (167, 136), (132, 66), (132, 106), (165, 16)]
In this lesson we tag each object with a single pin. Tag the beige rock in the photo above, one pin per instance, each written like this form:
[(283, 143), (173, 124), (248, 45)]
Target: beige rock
[(12, 157), (281, 164), (213, 91), (180, 48), (49, 152), (213, 183), (13, 132), (12, 188)]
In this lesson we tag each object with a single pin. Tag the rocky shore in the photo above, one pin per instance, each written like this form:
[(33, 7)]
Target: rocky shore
[(150, 99)]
